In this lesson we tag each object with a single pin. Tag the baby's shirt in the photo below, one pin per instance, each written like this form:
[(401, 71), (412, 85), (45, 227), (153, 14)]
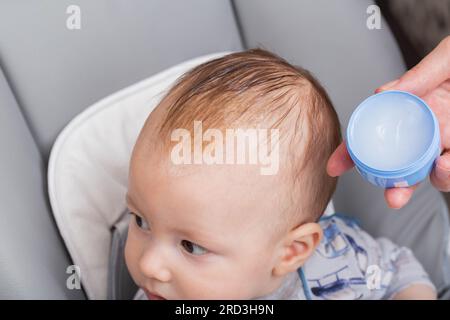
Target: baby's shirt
[(349, 264)]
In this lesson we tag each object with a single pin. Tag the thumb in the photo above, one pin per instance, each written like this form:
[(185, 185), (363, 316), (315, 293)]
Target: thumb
[(440, 176), (427, 75)]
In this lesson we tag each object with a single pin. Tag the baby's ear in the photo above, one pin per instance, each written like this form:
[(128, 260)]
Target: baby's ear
[(298, 246)]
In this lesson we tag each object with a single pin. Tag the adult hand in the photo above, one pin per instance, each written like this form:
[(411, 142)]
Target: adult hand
[(430, 80)]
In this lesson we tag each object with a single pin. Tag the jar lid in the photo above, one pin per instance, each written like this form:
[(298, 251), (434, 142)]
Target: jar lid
[(392, 132)]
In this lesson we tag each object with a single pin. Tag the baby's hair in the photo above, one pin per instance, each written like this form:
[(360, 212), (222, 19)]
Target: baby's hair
[(257, 87)]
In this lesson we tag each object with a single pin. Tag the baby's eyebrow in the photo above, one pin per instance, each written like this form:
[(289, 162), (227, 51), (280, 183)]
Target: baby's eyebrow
[(129, 201)]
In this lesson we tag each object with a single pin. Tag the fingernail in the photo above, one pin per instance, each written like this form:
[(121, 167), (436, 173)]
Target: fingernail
[(389, 85)]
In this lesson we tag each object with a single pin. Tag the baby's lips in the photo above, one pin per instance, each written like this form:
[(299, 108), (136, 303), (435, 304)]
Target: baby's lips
[(153, 296)]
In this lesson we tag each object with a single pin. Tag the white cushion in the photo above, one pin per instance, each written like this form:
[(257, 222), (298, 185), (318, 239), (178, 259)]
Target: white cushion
[(88, 171)]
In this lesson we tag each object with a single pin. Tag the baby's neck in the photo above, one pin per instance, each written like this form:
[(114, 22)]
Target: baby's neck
[(290, 289)]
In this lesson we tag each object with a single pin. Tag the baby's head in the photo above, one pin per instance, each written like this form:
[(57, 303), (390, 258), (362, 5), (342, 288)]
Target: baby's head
[(208, 226)]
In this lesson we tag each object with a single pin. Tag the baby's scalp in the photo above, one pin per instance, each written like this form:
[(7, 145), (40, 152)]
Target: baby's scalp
[(256, 89)]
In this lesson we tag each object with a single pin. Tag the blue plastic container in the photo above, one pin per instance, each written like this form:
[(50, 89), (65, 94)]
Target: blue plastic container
[(393, 139)]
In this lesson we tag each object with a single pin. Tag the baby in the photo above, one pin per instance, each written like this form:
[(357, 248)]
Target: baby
[(227, 188)]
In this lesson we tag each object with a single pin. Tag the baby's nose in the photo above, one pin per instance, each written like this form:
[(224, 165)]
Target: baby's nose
[(153, 265)]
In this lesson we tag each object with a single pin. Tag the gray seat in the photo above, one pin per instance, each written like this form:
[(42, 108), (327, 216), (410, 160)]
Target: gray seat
[(50, 74)]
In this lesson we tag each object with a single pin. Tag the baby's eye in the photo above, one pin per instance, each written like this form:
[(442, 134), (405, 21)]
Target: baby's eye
[(193, 248), (141, 223)]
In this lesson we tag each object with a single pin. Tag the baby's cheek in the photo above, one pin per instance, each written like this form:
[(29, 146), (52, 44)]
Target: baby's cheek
[(215, 289), (219, 284)]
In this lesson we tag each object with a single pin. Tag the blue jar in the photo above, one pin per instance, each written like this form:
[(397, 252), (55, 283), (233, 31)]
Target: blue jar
[(393, 139)]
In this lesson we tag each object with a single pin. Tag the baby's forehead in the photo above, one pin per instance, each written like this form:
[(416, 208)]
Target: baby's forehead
[(208, 195), (240, 181), (161, 164)]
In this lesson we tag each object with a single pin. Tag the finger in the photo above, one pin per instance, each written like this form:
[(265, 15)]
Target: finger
[(396, 198), (340, 161), (440, 177), (427, 74)]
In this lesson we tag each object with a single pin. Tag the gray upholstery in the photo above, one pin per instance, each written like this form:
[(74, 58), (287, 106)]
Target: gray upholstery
[(120, 283), (33, 259), (54, 73)]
